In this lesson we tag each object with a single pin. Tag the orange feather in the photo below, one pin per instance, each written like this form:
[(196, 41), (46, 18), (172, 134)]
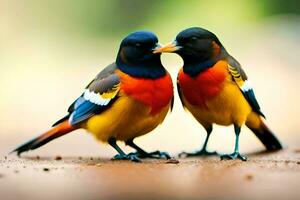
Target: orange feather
[(206, 85), (156, 93)]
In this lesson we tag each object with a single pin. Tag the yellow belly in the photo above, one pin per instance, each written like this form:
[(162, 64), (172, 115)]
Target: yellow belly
[(228, 107), (124, 120)]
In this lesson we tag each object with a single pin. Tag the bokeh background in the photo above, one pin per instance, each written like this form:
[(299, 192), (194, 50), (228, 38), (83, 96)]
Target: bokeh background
[(50, 49)]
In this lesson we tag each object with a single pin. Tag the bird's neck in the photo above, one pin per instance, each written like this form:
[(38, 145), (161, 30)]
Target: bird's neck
[(195, 66), (151, 69)]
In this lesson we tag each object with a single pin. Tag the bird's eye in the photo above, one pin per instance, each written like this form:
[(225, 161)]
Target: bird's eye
[(194, 38), (138, 44)]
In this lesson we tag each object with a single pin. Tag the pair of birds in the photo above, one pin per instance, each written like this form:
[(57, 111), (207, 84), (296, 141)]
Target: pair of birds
[(133, 95)]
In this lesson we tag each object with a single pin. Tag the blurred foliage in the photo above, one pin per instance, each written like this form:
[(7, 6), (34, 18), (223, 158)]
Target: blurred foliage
[(118, 17), (274, 7)]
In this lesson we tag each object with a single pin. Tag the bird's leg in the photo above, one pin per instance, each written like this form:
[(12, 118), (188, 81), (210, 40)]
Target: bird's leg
[(141, 153), (121, 155), (236, 154), (203, 151)]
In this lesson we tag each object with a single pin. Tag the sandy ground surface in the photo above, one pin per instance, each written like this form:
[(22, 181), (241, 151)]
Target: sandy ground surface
[(263, 176)]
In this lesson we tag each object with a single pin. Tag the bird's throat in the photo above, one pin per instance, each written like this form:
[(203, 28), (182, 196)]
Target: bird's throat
[(151, 69), (194, 68)]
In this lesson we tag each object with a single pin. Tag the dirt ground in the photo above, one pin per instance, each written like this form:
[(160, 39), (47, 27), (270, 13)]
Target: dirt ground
[(263, 176)]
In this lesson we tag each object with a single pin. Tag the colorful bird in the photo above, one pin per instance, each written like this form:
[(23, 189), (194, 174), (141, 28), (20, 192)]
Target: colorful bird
[(213, 86), (127, 99)]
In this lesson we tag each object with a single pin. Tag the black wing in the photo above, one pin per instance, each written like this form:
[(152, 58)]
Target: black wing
[(98, 96), (240, 78)]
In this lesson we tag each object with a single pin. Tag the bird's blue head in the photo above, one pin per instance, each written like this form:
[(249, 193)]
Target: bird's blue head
[(136, 55), (199, 48)]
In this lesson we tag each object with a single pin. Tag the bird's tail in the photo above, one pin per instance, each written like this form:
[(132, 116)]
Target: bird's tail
[(55, 132), (262, 131)]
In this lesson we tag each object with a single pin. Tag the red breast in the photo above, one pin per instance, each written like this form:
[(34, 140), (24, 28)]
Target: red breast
[(206, 85), (156, 93)]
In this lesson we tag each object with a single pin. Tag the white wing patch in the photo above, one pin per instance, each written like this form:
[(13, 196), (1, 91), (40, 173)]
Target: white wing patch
[(95, 98), (246, 86)]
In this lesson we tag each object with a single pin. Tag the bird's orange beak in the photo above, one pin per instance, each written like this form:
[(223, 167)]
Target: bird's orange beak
[(169, 48)]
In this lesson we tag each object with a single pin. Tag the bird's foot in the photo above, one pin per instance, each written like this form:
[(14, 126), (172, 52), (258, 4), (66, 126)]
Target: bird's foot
[(235, 155), (202, 152), (154, 154), (129, 157)]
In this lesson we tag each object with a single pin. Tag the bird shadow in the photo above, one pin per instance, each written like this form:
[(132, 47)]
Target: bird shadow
[(263, 153)]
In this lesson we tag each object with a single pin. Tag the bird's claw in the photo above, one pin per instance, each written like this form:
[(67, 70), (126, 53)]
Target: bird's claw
[(235, 155), (160, 154), (202, 152), (154, 154), (129, 157)]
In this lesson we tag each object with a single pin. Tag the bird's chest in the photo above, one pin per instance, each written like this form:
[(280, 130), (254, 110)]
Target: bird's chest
[(155, 93), (203, 87)]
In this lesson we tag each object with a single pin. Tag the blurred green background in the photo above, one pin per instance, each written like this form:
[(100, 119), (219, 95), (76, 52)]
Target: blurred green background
[(50, 49)]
